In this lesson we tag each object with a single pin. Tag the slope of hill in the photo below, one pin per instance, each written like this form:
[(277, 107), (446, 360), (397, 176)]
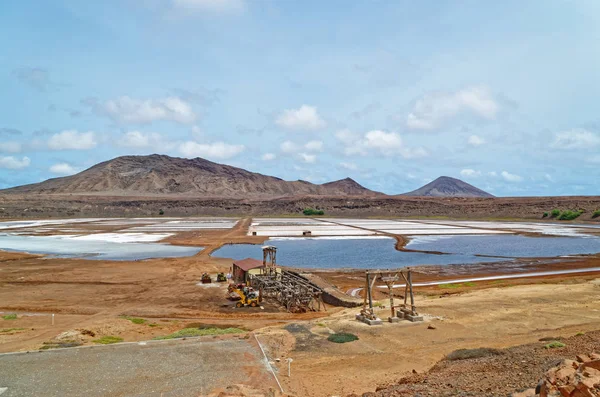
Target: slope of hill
[(165, 175), (445, 186)]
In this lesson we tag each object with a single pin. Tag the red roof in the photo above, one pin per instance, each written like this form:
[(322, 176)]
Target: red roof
[(248, 263)]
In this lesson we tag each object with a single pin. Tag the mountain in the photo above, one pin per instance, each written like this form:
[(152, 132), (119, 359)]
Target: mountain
[(445, 186), (165, 175)]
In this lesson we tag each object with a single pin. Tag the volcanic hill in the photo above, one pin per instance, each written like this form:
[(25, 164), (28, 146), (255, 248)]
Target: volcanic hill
[(164, 175), (445, 186)]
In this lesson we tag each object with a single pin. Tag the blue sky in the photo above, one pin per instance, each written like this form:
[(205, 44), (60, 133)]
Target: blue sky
[(504, 95)]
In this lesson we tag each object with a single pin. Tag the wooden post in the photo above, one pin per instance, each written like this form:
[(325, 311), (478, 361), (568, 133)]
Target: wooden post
[(369, 291), (412, 296)]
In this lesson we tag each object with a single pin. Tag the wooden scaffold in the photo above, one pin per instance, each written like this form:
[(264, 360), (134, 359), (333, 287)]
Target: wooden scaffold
[(397, 312), (291, 290)]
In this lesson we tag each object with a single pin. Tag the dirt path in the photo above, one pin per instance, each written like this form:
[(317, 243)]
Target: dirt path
[(495, 317)]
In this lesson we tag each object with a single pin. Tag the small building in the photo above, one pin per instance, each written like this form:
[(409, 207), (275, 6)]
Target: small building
[(307, 233), (243, 268)]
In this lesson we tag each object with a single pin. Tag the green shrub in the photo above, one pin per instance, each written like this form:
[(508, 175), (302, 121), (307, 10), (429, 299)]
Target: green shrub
[(134, 320), (554, 345), (580, 333), (161, 212), (555, 213), (569, 215), (312, 211), (107, 340), (12, 316), (342, 338), (596, 214), (545, 215), (189, 332), (464, 354)]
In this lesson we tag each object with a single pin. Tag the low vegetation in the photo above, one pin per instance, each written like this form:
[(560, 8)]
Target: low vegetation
[(134, 320), (464, 354), (555, 212), (312, 212), (190, 332), (545, 215), (7, 330), (596, 214), (12, 316), (456, 285), (569, 215), (554, 345), (161, 212), (59, 345), (342, 338), (107, 340)]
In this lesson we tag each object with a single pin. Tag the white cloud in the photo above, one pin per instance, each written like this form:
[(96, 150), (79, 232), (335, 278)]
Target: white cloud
[(511, 177), (63, 169), (10, 147), (348, 166), (13, 163), (314, 146), (470, 173), (548, 177), (141, 140), (475, 140), (386, 143), (129, 110), (578, 138), (303, 118), (72, 140), (268, 156), (219, 6), (288, 147), (432, 110), (217, 150), (308, 158), (493, 174)]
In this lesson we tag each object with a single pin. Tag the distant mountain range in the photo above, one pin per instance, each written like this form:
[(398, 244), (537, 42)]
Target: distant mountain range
[(164, 175), (445, 186)]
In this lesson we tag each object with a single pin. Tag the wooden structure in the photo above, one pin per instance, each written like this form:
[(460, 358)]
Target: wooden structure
[(389, 278), (241, 269), (291, 290)]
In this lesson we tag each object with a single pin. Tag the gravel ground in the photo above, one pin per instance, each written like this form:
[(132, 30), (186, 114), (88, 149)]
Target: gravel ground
[(501, 374), (189, 367)]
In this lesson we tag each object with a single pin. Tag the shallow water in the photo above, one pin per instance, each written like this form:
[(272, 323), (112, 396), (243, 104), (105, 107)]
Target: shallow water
[(369, 253), (509, 245), (69, 247), (358, 253)]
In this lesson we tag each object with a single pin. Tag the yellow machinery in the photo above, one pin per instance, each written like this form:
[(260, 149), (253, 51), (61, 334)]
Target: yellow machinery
[(248, 297)]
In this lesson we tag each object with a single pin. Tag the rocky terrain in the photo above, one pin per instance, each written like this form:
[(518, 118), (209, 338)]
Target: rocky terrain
[(445, 186), (515, 371), (164, 175), (40, 205)]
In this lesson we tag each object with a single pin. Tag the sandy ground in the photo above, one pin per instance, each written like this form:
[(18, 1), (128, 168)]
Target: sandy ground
[(92, 295)]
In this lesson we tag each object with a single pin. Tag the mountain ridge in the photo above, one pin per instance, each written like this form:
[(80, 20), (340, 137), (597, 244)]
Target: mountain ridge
[(445, 186), (158, 174)]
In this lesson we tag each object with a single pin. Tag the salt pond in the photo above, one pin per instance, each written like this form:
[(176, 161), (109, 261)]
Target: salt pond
[(509, 245), (357, 253), (379, 252), (77, 247)]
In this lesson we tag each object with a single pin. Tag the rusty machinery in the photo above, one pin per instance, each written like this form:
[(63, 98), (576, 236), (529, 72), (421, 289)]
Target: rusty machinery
[(291, 290)]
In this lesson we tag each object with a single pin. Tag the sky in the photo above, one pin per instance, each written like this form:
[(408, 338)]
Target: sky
[(503, 95)]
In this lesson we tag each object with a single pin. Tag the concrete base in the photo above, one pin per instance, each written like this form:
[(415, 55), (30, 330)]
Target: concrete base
[(365, 320), (393, 319), (400, 314), (413, 318)]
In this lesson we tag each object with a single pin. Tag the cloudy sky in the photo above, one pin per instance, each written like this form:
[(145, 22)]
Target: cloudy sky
[(504, 95)]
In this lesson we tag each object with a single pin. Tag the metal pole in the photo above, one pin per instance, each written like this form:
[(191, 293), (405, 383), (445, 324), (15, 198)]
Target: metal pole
[(289, 360)]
